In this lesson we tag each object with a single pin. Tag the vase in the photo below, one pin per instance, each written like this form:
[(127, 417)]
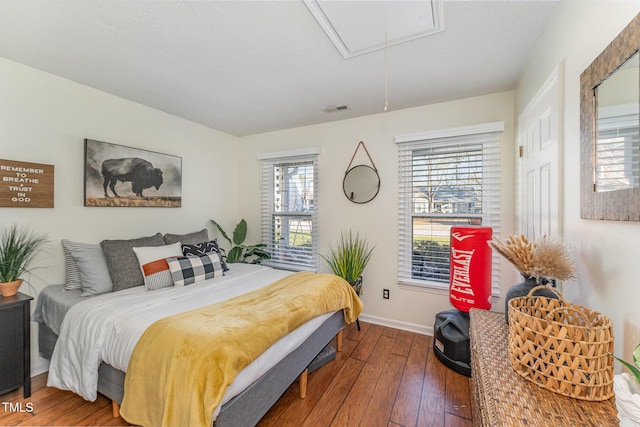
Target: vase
[(627, 399), (357, 285), (9, 289), (523, 288)]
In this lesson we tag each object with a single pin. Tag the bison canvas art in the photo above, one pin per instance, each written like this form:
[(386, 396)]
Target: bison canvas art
[(116, 175)]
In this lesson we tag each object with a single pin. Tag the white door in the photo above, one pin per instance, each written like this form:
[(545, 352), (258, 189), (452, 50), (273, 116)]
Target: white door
[(539, 135)]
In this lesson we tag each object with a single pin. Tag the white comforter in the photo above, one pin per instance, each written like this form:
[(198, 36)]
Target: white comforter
[(107, 328)]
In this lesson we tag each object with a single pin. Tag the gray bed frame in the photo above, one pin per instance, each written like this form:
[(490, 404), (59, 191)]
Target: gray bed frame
[(248, 407)]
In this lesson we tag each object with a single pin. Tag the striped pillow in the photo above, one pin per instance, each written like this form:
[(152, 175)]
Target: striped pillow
[(153, 264), (72, 272), (192, 269)]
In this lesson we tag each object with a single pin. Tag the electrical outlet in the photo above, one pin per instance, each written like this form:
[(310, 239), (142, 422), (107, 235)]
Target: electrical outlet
[(385, 293)]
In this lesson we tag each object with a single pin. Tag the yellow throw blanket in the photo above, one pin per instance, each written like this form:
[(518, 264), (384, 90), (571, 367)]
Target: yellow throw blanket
[(182, 365)]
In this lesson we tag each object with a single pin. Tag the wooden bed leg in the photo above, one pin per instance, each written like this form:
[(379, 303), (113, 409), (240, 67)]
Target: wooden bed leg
[(303, 383), (339, 340), (115, 407)]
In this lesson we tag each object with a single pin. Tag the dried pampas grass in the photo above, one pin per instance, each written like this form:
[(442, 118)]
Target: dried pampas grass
[(517, 250), (551, 259), (545, 258)]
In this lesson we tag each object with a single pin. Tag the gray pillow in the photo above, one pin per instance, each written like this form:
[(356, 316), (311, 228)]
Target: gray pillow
[(93, 270), (187, 239), (71, 272), (122, 261)]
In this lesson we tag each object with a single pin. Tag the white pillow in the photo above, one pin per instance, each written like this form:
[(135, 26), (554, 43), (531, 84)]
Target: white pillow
[(154, 266)]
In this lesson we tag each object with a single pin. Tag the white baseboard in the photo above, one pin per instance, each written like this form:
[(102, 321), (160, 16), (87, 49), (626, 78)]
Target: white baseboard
[(39, 365), (397, 324)]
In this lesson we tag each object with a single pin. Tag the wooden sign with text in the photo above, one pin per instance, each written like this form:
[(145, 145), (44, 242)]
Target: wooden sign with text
[(25, 185)]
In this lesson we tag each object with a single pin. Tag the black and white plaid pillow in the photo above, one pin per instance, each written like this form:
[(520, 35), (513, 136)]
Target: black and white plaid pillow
[(204, 248), (192, 269)]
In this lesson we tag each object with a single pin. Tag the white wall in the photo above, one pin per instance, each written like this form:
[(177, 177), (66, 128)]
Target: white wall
[(44, 119), (606, 252), (378, 219)]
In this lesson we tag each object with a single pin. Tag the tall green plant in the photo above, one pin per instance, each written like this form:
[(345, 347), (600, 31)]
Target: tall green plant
[(18, 248), (635, 370), (349, 256), (250, 254)]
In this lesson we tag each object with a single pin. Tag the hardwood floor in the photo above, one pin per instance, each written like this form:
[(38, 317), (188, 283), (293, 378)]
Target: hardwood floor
[(382, 377)]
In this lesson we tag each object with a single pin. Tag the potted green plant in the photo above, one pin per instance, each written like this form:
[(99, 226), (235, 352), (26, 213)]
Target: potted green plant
[(18, 247), (251, 254), (627, 390), (348, 258)]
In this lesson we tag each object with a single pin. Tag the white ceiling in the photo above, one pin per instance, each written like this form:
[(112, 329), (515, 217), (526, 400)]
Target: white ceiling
[(247, 67)]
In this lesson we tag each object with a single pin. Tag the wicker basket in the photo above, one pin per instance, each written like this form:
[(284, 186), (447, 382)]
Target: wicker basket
[(561, 346)]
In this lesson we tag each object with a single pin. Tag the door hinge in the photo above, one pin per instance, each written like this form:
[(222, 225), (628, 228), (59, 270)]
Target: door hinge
[(521, 150)]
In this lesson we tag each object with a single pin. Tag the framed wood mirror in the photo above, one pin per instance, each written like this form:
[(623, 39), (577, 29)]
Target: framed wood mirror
[(609, 131)]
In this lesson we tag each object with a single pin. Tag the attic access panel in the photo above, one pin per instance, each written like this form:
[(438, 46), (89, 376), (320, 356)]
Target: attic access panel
[(358, 27)]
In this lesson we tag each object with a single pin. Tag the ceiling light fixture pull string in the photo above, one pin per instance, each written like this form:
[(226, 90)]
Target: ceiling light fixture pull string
[(386, 74)]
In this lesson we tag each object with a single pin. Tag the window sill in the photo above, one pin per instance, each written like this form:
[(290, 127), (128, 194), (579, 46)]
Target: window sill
[(290, 267), (435, 289), (431, 288)]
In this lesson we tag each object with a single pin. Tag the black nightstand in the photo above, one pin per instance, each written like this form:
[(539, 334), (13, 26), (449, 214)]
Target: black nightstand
[(15, 343)]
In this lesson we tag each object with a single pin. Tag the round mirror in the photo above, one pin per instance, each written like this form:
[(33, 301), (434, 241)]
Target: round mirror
[(361, 184)]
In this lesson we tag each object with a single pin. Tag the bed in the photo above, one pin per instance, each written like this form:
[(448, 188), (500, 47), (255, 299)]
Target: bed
[(253, 391)]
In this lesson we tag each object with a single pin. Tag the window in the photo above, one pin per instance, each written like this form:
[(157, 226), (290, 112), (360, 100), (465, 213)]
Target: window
[(290, 209), (617, 148), (447, 178)]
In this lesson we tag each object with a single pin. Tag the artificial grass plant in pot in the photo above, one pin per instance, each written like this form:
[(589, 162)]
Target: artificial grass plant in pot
[(348, 258), (18, 248)]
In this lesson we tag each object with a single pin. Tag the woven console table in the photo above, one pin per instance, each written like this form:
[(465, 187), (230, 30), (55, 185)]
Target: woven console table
[(501, 397)]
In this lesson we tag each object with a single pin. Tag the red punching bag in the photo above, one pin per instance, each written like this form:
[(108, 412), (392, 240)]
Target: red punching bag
[(470, 270)]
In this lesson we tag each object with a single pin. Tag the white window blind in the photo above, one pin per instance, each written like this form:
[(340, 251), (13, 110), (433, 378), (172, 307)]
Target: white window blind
[(617, 162), (444, 182), (290, 211)]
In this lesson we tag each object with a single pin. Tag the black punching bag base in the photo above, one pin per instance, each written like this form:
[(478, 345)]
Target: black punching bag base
[(451, 340)]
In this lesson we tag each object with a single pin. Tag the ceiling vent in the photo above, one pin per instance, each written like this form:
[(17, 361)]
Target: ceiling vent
[(335, 108), (359, 27)]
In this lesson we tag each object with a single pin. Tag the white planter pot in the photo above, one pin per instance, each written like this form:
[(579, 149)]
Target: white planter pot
[(627, 393)]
